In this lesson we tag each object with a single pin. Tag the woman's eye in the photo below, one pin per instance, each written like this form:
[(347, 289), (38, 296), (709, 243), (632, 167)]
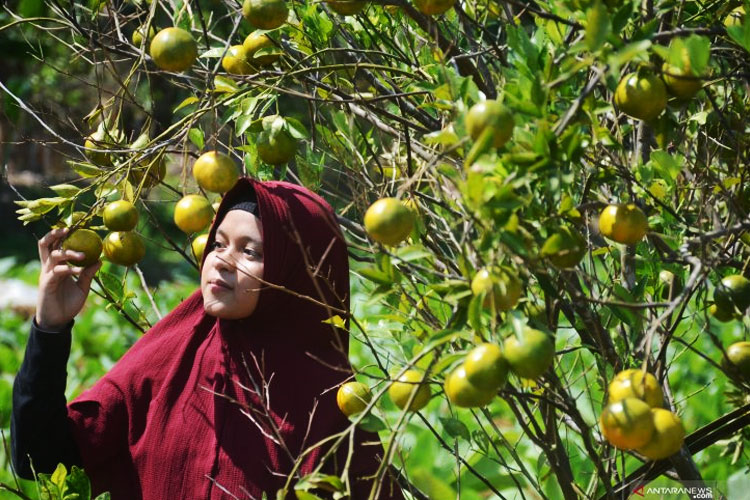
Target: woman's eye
[(215, 245), (251, 252)]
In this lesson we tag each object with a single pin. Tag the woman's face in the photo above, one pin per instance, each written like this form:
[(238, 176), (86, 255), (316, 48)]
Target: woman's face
[(230, 276)]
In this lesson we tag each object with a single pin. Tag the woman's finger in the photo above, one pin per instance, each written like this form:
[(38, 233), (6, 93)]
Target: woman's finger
[(84, 279), (60, 255), (49, 242), (62, 270)]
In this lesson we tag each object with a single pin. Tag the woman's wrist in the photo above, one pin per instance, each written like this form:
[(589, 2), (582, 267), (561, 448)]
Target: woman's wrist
[(52, 328)]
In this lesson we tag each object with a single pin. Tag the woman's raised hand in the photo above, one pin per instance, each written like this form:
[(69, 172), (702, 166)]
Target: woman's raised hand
[(60, 296)]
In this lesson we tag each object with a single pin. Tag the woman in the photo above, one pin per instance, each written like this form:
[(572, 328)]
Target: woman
[(226, 396)]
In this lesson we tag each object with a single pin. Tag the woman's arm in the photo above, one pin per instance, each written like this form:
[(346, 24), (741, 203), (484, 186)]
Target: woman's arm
[(40, 433)]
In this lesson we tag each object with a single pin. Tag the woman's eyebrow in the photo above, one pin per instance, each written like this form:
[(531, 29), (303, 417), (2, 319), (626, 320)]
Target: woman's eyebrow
[(249, 238)]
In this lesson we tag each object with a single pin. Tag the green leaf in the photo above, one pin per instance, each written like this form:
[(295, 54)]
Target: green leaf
[(371, 423), (597, 26), (214, 52), (666, 164), (85, 169), (455, 428), (475, 311), (443, 137), (243, 123), (295, 128), (65, 190), (78, 484), (741, 34), (699, 50), (376, 275), (224, 84), (186, 102), (196, 137)]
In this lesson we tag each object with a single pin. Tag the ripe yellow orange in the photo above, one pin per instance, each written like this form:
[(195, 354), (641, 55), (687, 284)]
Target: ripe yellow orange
[(485, 366), (463, 393), (198, 246), (668, 436), (410, 382), (501, 286), (265, 14), (623, 223), (353, 397), (215, 172), (173, 49), (433, 7), (627, 424), (86, 241), (124, 247), (388, 221), (346, 7), (633, 384), (530, 355), (256, 41), (738, 354), (193, 213), (641, 95), (733, 293), (276, 148), (235, 61), (493, 115), (564, 248), (120, 215)]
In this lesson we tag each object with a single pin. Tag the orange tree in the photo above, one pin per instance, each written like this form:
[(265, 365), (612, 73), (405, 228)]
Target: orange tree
[(574, 176)]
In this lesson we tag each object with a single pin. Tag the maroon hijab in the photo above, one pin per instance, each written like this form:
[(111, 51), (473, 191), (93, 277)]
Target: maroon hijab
[(207, 408)]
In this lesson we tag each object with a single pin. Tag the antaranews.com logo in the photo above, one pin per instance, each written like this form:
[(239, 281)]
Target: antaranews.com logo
[(694, 490)]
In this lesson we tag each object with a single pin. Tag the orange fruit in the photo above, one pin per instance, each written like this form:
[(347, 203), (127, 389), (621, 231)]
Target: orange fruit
[(668, 436), (501, 286), (346, 7), (173, 49), (256, 41), (721, 314), (389, 221), (492, 114), (276, 148), (198, 246), (733, 293), (101, 139), (137, 37), (530, 355), (235, 61), (410, 382), (433, 7), (738, 354), (353, 397), (124, 247), (193, 213), (627, 424), (86, 241), (215, 172), (120, 216), (463, 393), (641, 95), (486, 368), (623, 223), (265, 14), (564, 248), (633, 384), (681, 83), (154, 169)]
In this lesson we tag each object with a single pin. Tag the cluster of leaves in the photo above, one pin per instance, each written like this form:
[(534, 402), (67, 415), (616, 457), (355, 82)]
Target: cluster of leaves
[(377, 103)]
